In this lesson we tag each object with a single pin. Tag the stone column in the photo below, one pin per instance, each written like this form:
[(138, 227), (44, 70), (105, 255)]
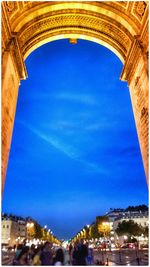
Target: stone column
[(135, 72), (13, 69)]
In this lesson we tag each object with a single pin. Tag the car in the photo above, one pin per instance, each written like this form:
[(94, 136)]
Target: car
[(128, 245), (145, 246)]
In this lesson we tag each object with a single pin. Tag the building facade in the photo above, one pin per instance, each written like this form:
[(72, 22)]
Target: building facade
[(22, 229), (141, 218), (117, 216), (13, 230)]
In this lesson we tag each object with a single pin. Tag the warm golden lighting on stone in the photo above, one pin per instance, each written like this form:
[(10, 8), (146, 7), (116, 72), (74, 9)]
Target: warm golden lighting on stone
[(73, 41)]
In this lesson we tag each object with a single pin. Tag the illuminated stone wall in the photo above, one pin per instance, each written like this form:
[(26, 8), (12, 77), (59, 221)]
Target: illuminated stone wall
[(120, 26)]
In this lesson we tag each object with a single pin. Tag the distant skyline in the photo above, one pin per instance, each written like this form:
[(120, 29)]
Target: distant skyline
[(75, 151)]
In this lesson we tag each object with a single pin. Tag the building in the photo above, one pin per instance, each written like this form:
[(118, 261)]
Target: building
[(136, 214), (114, 214), (138, 217), (118, 215), (141, 218), (22, 228), (13, 230), (9, 231)]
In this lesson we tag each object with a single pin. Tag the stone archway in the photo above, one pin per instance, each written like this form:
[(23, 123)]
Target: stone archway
[(120, 26)]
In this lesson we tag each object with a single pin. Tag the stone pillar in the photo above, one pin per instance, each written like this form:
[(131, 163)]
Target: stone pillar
[(135, 72), (13, 69)]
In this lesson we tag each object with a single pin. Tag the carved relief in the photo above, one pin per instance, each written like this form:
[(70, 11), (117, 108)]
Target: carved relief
[(11, 6), (140, 43), (13, 46), (140, 98), (139, 9), (141, 112), (144, 122), (137, 80), (79, 21)]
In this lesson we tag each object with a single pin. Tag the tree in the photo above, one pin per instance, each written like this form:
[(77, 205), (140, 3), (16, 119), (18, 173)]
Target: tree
[(104, 229), (38, 230), (128, 228), (94, 231), (100, 219), (145, 231), (137, 208), (103, 225)]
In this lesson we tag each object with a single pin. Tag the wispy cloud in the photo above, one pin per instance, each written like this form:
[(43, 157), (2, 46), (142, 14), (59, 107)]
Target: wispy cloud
[(63, 125), (53, 141), (72, 127), (81, 98), (94, 126), (68, 150)]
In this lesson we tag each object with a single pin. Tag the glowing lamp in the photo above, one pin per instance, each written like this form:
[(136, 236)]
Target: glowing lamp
[(73, 41)]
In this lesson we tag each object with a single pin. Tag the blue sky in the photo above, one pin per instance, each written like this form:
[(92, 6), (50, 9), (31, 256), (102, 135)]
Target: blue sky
[(75, 151)]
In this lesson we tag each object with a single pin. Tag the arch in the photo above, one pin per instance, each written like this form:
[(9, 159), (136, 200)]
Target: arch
[(120, 26), (68, 35), (83, 19)]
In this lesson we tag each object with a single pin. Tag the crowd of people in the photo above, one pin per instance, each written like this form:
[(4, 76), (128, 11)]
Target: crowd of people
[(79, 254), (38, 255)]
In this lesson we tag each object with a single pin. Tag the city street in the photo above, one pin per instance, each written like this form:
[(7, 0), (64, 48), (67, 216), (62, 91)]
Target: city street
[(7, 257), (123, 257), (111, 258)]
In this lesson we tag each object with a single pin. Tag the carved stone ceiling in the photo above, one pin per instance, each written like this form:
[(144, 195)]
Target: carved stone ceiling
[(112, 24)]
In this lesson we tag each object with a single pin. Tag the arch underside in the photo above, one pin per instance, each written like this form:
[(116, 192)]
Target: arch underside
[(106, 23), (79, 26), (67, 33)]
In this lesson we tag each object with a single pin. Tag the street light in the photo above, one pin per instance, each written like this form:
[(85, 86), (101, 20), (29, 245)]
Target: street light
[(105, 227), (125, 239), (30, 226), (87, 231)]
